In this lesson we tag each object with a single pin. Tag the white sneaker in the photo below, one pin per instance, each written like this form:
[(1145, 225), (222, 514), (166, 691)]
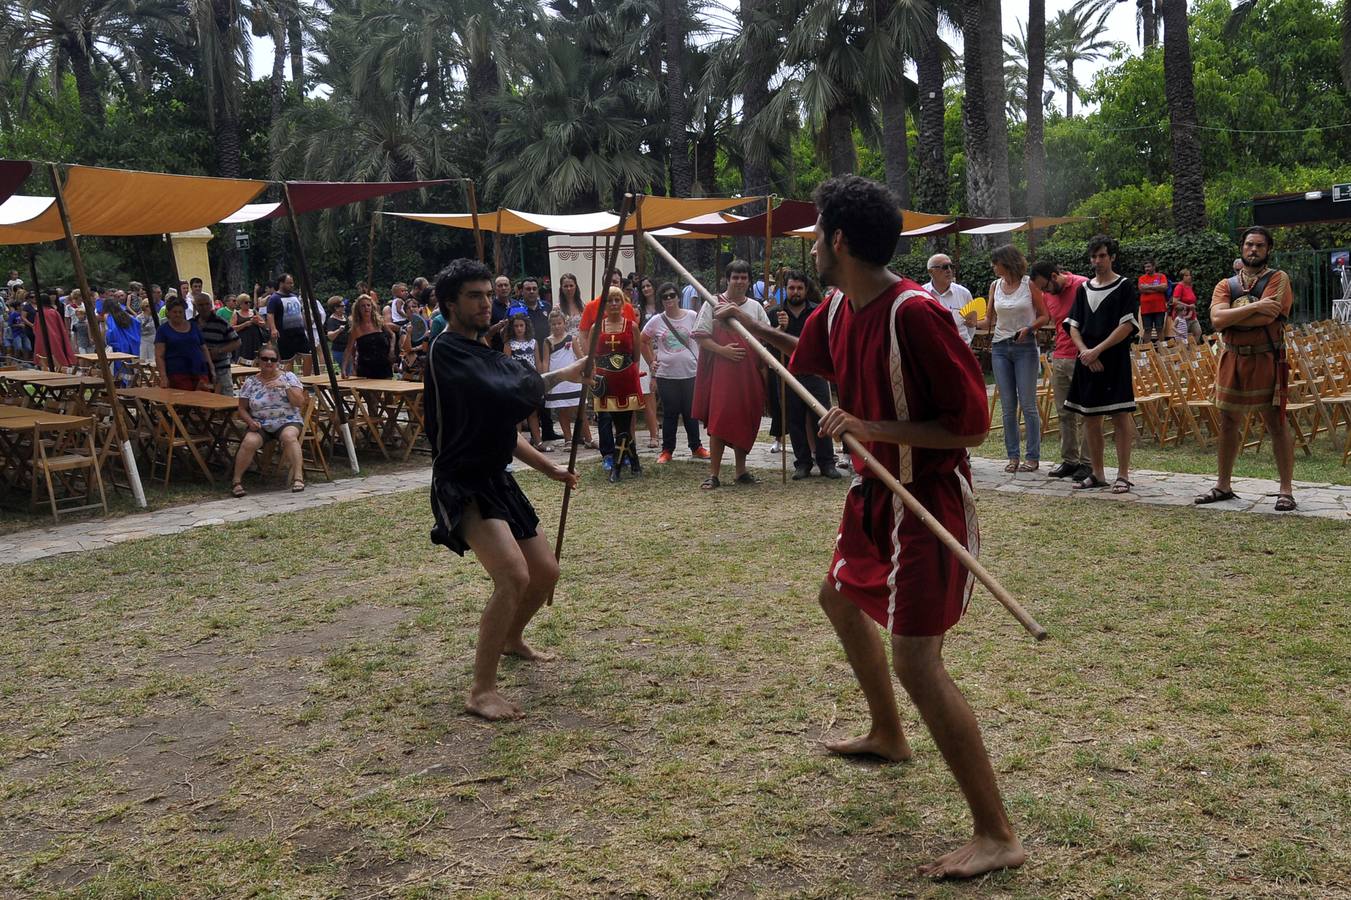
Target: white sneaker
[(776, 448)]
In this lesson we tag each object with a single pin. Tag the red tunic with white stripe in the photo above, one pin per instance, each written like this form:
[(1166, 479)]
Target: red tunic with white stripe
[(900, 358)]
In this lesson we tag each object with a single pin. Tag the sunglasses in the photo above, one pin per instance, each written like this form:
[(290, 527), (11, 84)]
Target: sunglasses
[(948, 267), (267, 359), (669, 294)]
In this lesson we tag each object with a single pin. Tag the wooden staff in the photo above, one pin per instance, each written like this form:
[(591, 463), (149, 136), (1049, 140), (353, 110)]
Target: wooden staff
[(611, 260), (497, 245), (119, 424), (306, 298), (912, 505), (473, 214), (783, 388)]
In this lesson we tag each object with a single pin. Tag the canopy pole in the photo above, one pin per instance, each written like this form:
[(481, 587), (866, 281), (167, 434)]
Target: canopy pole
[(307, 298), (473, 212), (95, 332), (783, 385), (595, 248), (611, 259), (912, 506), (804, 256), (497, 245)]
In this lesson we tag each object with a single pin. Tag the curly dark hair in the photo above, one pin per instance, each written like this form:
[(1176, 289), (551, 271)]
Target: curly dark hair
[(1102, 240), (867, 212), (453, 277)]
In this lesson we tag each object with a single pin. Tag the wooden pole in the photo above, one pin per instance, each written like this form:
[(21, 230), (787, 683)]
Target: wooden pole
[(783, 388), (497, 245), (473, 213), (307, 298), (96, 333), (913, 506), (595, 247), (611, 259)]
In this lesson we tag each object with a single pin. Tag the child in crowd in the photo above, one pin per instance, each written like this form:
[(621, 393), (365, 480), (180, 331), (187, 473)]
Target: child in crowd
[(80, 330), (522, 347)]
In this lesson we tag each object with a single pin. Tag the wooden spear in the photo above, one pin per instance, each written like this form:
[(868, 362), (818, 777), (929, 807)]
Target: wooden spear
[(913, 506), (473, 213), (783, 388), (612, 258)]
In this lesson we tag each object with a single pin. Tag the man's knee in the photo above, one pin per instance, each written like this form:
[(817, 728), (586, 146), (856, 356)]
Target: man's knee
[(513, 579), (917, 661), (831, 600), (544, 573)]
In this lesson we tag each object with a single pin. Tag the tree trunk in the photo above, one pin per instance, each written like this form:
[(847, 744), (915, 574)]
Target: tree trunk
[(277, 96), (1035, 152), (931, 185), (981, 133), (754, 97), (1149, 23), (996, 94), (840, 141), (1189, 198), (677, 109), (295, 39), (229, 163), (482, 84), (86, 85), (1070, 88), (895, 145)]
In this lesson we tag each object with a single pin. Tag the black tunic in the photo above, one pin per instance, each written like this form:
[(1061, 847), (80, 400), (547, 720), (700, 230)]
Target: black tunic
[(1096, 312), (474, 398)]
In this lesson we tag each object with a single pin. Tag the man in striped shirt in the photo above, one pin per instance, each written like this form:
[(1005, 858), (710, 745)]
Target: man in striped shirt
[(221, 341)]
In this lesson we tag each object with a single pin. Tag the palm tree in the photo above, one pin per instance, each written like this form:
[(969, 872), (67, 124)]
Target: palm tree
[(568, 141), (985, 129), (1148, 14), (1189, 196), (88, 38), (1244, 8), (931, 183), (675, 18), (902, 25), (1075, 36)]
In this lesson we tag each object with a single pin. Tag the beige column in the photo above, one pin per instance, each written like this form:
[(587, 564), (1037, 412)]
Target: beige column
[(191, 258)]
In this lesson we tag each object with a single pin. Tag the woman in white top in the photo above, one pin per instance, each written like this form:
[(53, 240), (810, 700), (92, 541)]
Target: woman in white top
[(1016, 311)]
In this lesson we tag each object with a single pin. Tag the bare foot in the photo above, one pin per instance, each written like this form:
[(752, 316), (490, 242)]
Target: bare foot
[(891, 749), (525, 651), (982, 855), (492, 706)]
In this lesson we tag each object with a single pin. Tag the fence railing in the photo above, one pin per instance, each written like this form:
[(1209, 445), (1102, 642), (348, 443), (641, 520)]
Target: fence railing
[(1315, 283)]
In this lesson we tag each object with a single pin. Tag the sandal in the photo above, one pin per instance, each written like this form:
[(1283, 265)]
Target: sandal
[(1031, 465), (237, 490), (1012, 466), (747, 478), (1285, 502), (297, 487), (546, 448), (1122, 485), (1214, 495), (1092, 482), (711, 482)]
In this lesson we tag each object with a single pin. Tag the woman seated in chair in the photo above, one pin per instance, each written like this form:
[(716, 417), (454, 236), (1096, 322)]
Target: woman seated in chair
[(271, 404)]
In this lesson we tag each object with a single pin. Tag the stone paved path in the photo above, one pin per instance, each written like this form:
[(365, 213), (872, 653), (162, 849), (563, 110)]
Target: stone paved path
[(1158, 488)]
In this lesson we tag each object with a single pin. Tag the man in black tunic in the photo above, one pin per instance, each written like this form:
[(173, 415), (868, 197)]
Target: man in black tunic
[(475, 396)]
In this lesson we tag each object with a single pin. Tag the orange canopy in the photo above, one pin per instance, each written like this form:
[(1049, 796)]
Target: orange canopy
[(657, 212), (116, 203)]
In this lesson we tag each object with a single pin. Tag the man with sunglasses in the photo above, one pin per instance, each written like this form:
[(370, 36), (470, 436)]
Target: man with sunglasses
[(951, 294)]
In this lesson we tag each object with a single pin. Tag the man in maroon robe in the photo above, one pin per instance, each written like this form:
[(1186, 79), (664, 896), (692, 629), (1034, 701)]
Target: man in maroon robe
[(729, 390)]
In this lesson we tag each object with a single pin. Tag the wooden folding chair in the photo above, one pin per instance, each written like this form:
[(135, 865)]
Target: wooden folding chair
[(1151, 401), (70, 463)]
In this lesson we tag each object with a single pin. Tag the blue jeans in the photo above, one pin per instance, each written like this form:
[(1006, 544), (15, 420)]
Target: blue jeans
[(1017, 366)]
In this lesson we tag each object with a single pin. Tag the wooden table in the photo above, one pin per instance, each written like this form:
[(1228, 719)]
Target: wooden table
[(239, 374), (111, 355), (389, 399), (186, 420), (355, 409), (54, 389), (21, 447)]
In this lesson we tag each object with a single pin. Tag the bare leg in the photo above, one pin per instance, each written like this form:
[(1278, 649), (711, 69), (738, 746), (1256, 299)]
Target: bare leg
[(1231, 435), (1093, 437), (1282, 446), (715, 448), (740, 457), (650, 414), (543, 568), (501, 556), (290, 449), (919, 663), (244, 457), (868, 658), (1123, 435), (534, 428), (565, 424)]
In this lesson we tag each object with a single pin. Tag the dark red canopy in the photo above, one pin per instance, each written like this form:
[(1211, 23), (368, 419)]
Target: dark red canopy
[(790, 215)]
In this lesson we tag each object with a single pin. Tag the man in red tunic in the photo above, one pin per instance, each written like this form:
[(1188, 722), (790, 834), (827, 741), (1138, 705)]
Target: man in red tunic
[(911, 390), (729, 391)]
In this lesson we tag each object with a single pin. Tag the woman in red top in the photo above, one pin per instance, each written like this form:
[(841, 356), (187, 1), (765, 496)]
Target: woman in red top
[(1184, 304)]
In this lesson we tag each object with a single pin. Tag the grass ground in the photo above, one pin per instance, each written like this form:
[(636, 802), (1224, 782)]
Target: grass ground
[(274, 708), (1324, 465)]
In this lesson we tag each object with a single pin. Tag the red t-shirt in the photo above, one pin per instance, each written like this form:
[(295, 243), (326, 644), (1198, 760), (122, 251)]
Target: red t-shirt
[(1153, 302), (908, 366), (592, 312), (1058, 307), (1184, 301)]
